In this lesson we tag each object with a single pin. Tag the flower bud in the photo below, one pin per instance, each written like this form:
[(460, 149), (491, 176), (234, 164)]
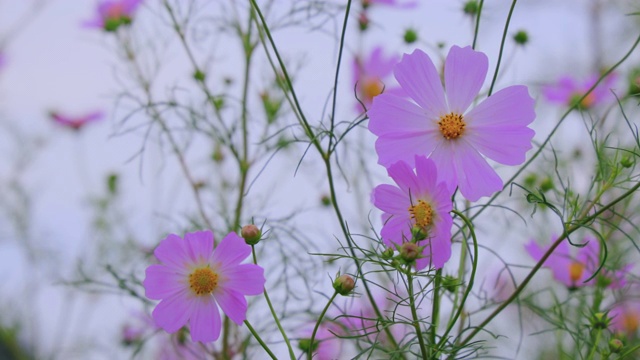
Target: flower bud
[(418, 233), (410, 251), (470, 7), (112, 183), (521, 37), (410, 36), (344, 284), (600, 321), (251, 234), (306, 346), (363, 21), (450, 283), (325, 200), (615, 346), (546, 184), (199, 76), (626, 162), (387, 254)]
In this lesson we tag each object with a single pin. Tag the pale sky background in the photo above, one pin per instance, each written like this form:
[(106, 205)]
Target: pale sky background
[(54, 63)]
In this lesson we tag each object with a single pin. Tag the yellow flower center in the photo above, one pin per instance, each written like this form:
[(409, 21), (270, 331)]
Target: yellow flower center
[(630, 322), (421, 213), (371, 87), (203, 281), (452, 125), (575, 271)]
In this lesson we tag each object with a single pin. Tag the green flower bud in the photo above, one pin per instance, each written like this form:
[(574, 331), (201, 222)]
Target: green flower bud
[(418, 233), (344, 284), (471, 7), (600, 321), (112, 184), (251, 234), (199, 76), (450, 283), (325, 200), (410, 36), (521, 37), (546, 184), (410, 251), (627, 161), (387, 254), (306, 346), (615, 346)]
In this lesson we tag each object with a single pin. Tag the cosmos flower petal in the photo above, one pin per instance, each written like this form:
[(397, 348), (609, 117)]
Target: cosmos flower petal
[(558, 261), (562, 91), (476, 178), (173, 312), (395, 229), (199, 245), (172, 252), (205, 323), (247, 279), (231, 251), (418, 76), (444, 159), (427, 173), (233, 304), (389, 198), (464, 73), (161, 282), (510, 107), (393, 114), (507, 146), (392, 148)]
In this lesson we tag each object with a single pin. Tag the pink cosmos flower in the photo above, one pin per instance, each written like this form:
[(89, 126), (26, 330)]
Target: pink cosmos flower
[(113, 13), (76, 123), (572, 271), (625, 318), (193, 280), (568, 91), (442, 125), (370, 75), (416, 200)]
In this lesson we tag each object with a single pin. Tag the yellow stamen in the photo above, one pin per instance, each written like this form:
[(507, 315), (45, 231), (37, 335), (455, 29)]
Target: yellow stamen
[(576, 270), (421, 213), (203, 281), (452, 125), (630, 322), (370, 88)]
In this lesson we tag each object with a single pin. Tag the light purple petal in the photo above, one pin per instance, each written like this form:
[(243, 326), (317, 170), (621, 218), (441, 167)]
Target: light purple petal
[(246, 279), (506, 146), (131, 5), (172, 253), (392, 148), (396, 229), (418, 76), (199, 245), (427, 172), (205, 321), (393, 114), (510, 107), (405, 178), (390, 199), (173, 312), (162, 282), (476, 178), (444, 158), (562, 91), (231, 251), (464, 73), (232, 303)]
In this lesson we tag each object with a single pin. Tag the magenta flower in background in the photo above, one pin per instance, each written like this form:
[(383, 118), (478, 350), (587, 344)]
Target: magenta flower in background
[(76, 123), (193, 280), (417, 200), (329, 344), (572, 271), (370, 75), (625, 318), (568, 91), (113, 13), (393, 3), (440, 124)]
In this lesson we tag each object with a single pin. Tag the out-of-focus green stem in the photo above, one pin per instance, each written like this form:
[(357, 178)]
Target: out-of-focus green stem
[(315, 328), (414, 317), (260, 341)]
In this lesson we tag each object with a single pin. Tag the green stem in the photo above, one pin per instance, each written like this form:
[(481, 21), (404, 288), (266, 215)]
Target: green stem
[(292, 355), (592, 353), (476, 31), (435, 313), (315, 328), (504, 39), (262, 343), (414, 317)]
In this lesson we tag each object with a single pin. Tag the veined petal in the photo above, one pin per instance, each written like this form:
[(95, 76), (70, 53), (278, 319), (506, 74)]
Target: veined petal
[(247, 279), (390, 199), (509, 107), (205, 321), (395, 147), (231, 251), (199, 245), (396, 229), (394, 114), (232, 303), (162, 282), (418, 76), (172, 252), (476, 178), (507, 146), (444, 158), (464, 73), (427, 172), (173, 312), (562, 91)]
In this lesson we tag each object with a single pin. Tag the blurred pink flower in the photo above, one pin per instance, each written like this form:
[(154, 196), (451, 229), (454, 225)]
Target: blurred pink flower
[(113, 13), (568, 91), (370, 75), (416, 200), (440, 125), (329, 344), (76, 123), (625, 318), (193, 280), (572, 271)]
